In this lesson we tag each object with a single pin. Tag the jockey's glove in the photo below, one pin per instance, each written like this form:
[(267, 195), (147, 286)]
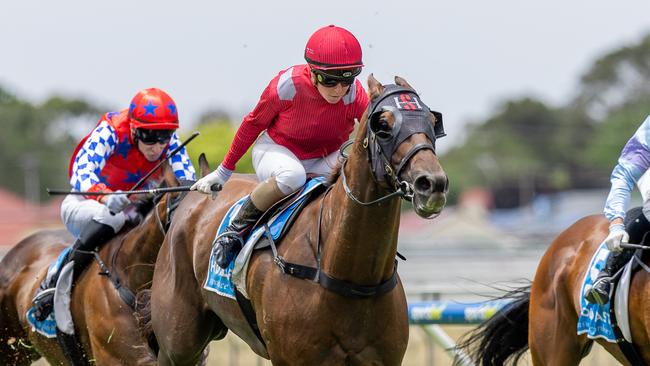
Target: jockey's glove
[(617, 236), (117, 202), (220, 176)]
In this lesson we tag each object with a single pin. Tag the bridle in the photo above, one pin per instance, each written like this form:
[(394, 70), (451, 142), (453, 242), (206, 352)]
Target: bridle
[(411, 116), (378, 142)]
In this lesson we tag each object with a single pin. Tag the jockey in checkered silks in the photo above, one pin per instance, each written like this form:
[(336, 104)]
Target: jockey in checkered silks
[(122, 148)]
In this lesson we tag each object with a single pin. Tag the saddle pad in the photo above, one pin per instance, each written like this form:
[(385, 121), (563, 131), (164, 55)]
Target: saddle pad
[(594, 319), (223, 281), (47, 327)]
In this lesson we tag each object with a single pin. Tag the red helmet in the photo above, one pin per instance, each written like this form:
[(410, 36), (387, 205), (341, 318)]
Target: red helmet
[(333, 47), (153, 109)]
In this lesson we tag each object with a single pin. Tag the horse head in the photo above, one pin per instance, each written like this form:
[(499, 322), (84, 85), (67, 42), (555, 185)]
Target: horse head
[(401, 133)]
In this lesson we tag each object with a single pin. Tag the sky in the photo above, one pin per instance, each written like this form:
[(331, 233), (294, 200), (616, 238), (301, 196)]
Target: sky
[(463, 57)]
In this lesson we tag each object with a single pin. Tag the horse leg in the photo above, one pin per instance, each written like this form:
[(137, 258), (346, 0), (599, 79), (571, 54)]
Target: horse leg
[(552, 335), (181, 321), (15, 347), (118, 343)]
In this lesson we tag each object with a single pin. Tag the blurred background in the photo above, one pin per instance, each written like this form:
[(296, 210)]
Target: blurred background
[(538, 100)]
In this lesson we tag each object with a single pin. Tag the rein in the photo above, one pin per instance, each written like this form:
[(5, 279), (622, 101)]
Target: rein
[(343, 288), (403, 189), (379, 141)]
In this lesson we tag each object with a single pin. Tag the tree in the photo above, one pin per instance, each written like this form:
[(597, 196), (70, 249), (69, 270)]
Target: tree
[(37, 141), (214, 141)]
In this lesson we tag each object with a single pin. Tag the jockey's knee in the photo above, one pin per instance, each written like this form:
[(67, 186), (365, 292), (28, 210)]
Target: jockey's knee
[(291, 181), (637, 225)]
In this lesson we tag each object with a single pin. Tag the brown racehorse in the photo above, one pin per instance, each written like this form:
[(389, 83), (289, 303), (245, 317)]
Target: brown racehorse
[(544, 317), (300, 321), (105, 324)]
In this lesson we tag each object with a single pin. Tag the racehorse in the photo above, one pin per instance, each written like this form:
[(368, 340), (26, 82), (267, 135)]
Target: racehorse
[(349, 233), (544, 316), (105, 325)]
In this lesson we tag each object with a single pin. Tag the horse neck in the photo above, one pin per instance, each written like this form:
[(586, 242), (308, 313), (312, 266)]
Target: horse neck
[(360, 242), (139, 249)]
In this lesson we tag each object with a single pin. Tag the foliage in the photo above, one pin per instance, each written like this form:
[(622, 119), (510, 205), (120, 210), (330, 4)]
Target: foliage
[(37, 141), (214, 141), (529, 147)]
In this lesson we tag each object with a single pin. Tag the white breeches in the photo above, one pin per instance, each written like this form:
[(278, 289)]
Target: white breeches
[(77, 212), (273, 160)]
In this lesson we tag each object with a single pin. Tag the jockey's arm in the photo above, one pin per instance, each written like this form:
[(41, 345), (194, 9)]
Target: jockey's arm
[(91, 159), (180, 162)]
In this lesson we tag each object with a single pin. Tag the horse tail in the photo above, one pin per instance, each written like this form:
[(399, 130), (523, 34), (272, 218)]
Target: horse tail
[(142, 315), (502, 337)]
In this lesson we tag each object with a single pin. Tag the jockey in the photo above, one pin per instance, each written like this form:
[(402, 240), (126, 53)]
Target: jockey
[(632, 164), (120, 150), (302, 118)]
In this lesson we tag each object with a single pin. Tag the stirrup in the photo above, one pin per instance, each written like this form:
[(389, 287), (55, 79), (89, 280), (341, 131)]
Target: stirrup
[(43, 303), (232, 234), (43, 295), (595, 297), (226, 252)]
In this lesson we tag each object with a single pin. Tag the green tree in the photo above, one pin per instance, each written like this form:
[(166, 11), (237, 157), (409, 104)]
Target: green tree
[(37, 141), (214, 141)]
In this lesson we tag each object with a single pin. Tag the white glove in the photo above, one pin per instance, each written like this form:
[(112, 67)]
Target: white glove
[(117, 202), (220, 175), (616, 237)]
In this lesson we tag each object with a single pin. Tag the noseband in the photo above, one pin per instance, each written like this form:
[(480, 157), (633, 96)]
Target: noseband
[(412, 116)]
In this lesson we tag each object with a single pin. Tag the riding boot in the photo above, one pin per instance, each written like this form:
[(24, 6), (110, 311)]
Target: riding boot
[(93, 235), (230, 242), (599, 292)]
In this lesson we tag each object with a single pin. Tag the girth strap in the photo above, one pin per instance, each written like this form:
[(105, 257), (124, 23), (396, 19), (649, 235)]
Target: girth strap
[(343, 288)]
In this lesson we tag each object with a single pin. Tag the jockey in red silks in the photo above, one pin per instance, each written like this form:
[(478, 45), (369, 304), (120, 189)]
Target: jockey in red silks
[(120, 150), (302, 118)]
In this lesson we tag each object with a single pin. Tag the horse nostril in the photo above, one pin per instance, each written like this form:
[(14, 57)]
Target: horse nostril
[(423, 184), (441, 183)]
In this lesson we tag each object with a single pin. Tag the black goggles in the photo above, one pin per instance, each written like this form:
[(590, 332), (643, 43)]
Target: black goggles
[(151, 137), (331, 78)]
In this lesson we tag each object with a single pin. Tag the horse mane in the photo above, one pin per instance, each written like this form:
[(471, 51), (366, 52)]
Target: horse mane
[(335, 173)]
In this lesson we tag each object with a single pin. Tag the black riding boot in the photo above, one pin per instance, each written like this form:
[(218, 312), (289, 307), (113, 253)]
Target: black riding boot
[(231, 241), (599, 292), (93, 235)]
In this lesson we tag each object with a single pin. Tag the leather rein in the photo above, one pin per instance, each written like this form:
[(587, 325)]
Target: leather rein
[(375, 143)]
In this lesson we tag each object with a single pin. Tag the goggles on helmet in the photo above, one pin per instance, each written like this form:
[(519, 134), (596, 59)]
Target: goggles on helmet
[(151, 137), (330, 78)]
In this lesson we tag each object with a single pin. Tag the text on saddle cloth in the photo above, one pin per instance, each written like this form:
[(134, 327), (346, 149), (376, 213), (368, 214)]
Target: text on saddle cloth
[(595, 320), (224, 281)]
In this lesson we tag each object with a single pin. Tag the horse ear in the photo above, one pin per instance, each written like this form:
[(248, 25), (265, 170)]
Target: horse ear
[(204, 167), (375, 88), (401, 82), (169, 176)]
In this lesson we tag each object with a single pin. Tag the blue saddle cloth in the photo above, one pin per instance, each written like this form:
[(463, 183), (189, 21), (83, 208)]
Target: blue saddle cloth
[(219, 280), (47, 327), (595, 319)]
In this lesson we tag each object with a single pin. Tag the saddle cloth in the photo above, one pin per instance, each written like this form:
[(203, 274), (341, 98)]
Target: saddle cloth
[(224, 281), (48, 326), (594, 319)]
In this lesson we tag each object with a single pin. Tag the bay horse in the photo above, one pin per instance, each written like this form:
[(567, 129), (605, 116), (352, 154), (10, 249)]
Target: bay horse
[(104, 323), (544, 316), (349, 233)]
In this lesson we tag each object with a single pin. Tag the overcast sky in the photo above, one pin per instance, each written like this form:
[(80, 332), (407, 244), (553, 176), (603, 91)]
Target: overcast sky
[(464, 57)]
